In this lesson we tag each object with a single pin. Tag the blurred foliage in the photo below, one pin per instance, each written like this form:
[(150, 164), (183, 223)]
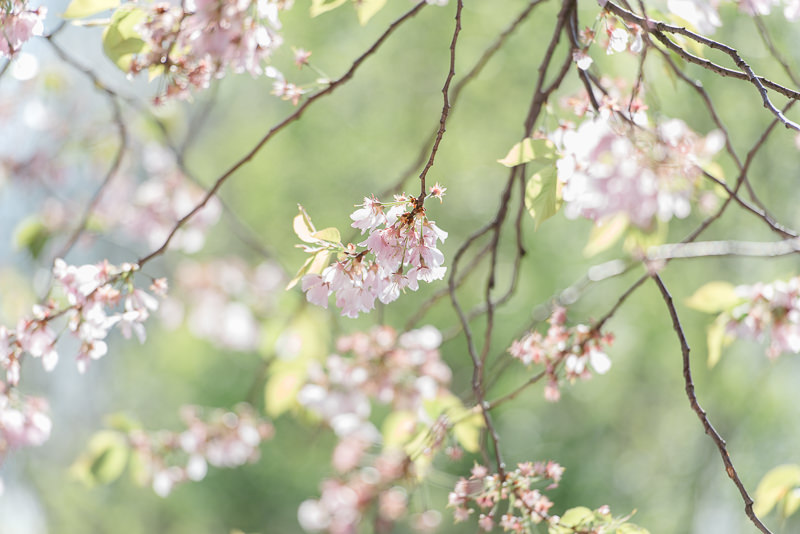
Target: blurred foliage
[(628, 439)]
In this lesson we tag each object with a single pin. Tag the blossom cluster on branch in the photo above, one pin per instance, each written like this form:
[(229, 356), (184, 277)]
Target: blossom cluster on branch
[(400, 251), (374, 468), (768, 311), (202, 39), (222, 438), (579, 349), (18, 23)]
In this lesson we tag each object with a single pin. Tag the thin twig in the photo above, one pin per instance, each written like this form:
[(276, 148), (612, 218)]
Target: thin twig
[(445, 106), (701, 414)]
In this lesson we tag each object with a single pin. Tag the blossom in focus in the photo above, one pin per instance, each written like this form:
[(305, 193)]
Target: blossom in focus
[(400, 251), (19, 23)]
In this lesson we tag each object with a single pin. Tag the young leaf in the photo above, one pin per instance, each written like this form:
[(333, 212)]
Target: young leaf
[(717, 339), (775, 485), (303, 226), (330, 235), (121, 40), (105, 459), (366, 9), (398, 428), (714, 297), (77, 9), (543, 195), (606, 234), (528, 150), (318, 7), (285, 381)]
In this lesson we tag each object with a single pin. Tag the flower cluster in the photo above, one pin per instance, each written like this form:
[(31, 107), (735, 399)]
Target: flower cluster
[(770, 311), (23, 422), (402, 371), (222, 439), (151, 208), (343, 501), (223, 299), (203, 38), (98, 297), (610, 168), (579, 348), (791, 8), (525, 505), (18, 23), (401, 250)]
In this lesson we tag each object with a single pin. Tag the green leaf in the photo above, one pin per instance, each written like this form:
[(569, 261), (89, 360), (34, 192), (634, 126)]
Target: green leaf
[(366, 9), (313, 265), (303, 226), (775, 485), (529, 150), (605, 234), (318, 7), (717, 339), (630, 528), (78, 9), (791, 503), (714, 297), (121, 40), (32, 235), (467, 424), (280, 391), (574, 517), (398, 429), (543, 195), (330, 235), (104, 460)]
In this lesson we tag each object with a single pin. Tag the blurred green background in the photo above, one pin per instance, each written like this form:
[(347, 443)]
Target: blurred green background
[(628, 439)]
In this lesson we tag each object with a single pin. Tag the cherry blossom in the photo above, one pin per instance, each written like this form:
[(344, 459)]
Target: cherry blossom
[(579, 349), (221, 438), (611, 168), (202, 39), (19, 23), (769, 311), (400, 251)]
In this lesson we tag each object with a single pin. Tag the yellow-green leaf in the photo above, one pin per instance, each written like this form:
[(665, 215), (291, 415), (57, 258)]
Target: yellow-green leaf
[(280, 391), (529, 150), (775, 485), (717, 339), (319, 7), (77, 9), (328, 234), (791, 503), (714, 297), (398, 429), (543, 195), (574, 517), (303, 226), (366, 9), (605, 234), (121, 40), (105, 459)]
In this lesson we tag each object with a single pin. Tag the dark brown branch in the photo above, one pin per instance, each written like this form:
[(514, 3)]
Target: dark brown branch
[(445, 106), (657, 29), (701, 414), (458, 88)]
